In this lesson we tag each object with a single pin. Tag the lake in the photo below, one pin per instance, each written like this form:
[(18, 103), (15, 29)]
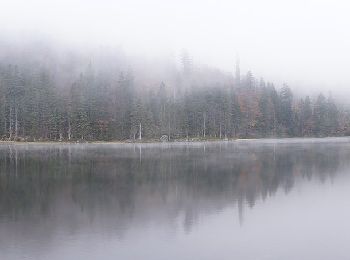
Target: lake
[(248, 199)]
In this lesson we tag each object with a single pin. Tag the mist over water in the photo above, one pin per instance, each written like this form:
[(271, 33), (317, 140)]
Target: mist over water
[(302, 43), (245, 199), (146, 130)]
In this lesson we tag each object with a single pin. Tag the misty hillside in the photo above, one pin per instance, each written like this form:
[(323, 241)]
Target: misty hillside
[(49, 93)]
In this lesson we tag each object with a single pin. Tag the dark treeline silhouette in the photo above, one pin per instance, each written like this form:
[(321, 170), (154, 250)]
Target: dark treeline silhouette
[(92, 102)]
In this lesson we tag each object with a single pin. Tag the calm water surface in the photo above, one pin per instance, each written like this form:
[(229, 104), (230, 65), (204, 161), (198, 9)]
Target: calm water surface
[(286, 199)]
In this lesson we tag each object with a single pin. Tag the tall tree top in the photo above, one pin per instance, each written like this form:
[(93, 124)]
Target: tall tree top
[(238, 72)]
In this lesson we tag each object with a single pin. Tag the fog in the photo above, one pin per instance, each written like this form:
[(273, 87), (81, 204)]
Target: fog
[(302, 43)]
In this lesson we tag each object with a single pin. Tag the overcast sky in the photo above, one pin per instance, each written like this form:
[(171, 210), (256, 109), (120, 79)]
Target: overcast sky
[(301, 42)]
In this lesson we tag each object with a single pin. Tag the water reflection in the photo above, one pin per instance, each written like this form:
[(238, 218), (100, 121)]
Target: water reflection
[(112, 189)]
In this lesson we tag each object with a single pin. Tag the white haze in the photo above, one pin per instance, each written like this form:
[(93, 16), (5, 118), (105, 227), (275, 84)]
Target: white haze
[(304, 43)]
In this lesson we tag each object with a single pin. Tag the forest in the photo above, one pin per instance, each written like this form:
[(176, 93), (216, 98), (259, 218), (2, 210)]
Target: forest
[(110, 99)]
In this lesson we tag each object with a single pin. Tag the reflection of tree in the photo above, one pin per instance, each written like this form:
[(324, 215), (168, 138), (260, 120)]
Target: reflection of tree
[(111, 185)]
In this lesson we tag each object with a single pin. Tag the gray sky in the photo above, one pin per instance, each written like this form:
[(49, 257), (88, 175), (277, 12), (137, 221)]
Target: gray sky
[(301, 42)]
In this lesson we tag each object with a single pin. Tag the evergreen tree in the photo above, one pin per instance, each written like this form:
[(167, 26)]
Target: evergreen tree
[(320, 116), (332, 123), (286, 99), (36, 104), (306, 117), (79, 117)]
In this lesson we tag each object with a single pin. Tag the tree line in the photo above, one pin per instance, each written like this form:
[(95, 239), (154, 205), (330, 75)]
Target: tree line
[(33, 106)]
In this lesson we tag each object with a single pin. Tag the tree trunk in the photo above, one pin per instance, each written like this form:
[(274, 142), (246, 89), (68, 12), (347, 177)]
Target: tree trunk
[(16, 123), (169, 131), (5, 123), (69, 130), (10, 126), (204, 118), (140, 134)]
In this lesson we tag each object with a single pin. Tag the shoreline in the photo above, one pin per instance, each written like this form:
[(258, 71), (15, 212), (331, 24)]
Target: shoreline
[(277, 139)]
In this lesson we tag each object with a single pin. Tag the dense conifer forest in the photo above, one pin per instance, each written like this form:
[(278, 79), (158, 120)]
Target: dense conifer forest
[(49, 97)]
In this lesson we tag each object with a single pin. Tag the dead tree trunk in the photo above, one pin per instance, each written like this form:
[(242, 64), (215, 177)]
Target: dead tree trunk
[(140, 134), (16, 123)]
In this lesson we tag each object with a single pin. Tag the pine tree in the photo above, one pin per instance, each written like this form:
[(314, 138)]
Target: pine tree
[(320, 116), (286, 99), (332, 122), (80, 124), (306, 117)]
